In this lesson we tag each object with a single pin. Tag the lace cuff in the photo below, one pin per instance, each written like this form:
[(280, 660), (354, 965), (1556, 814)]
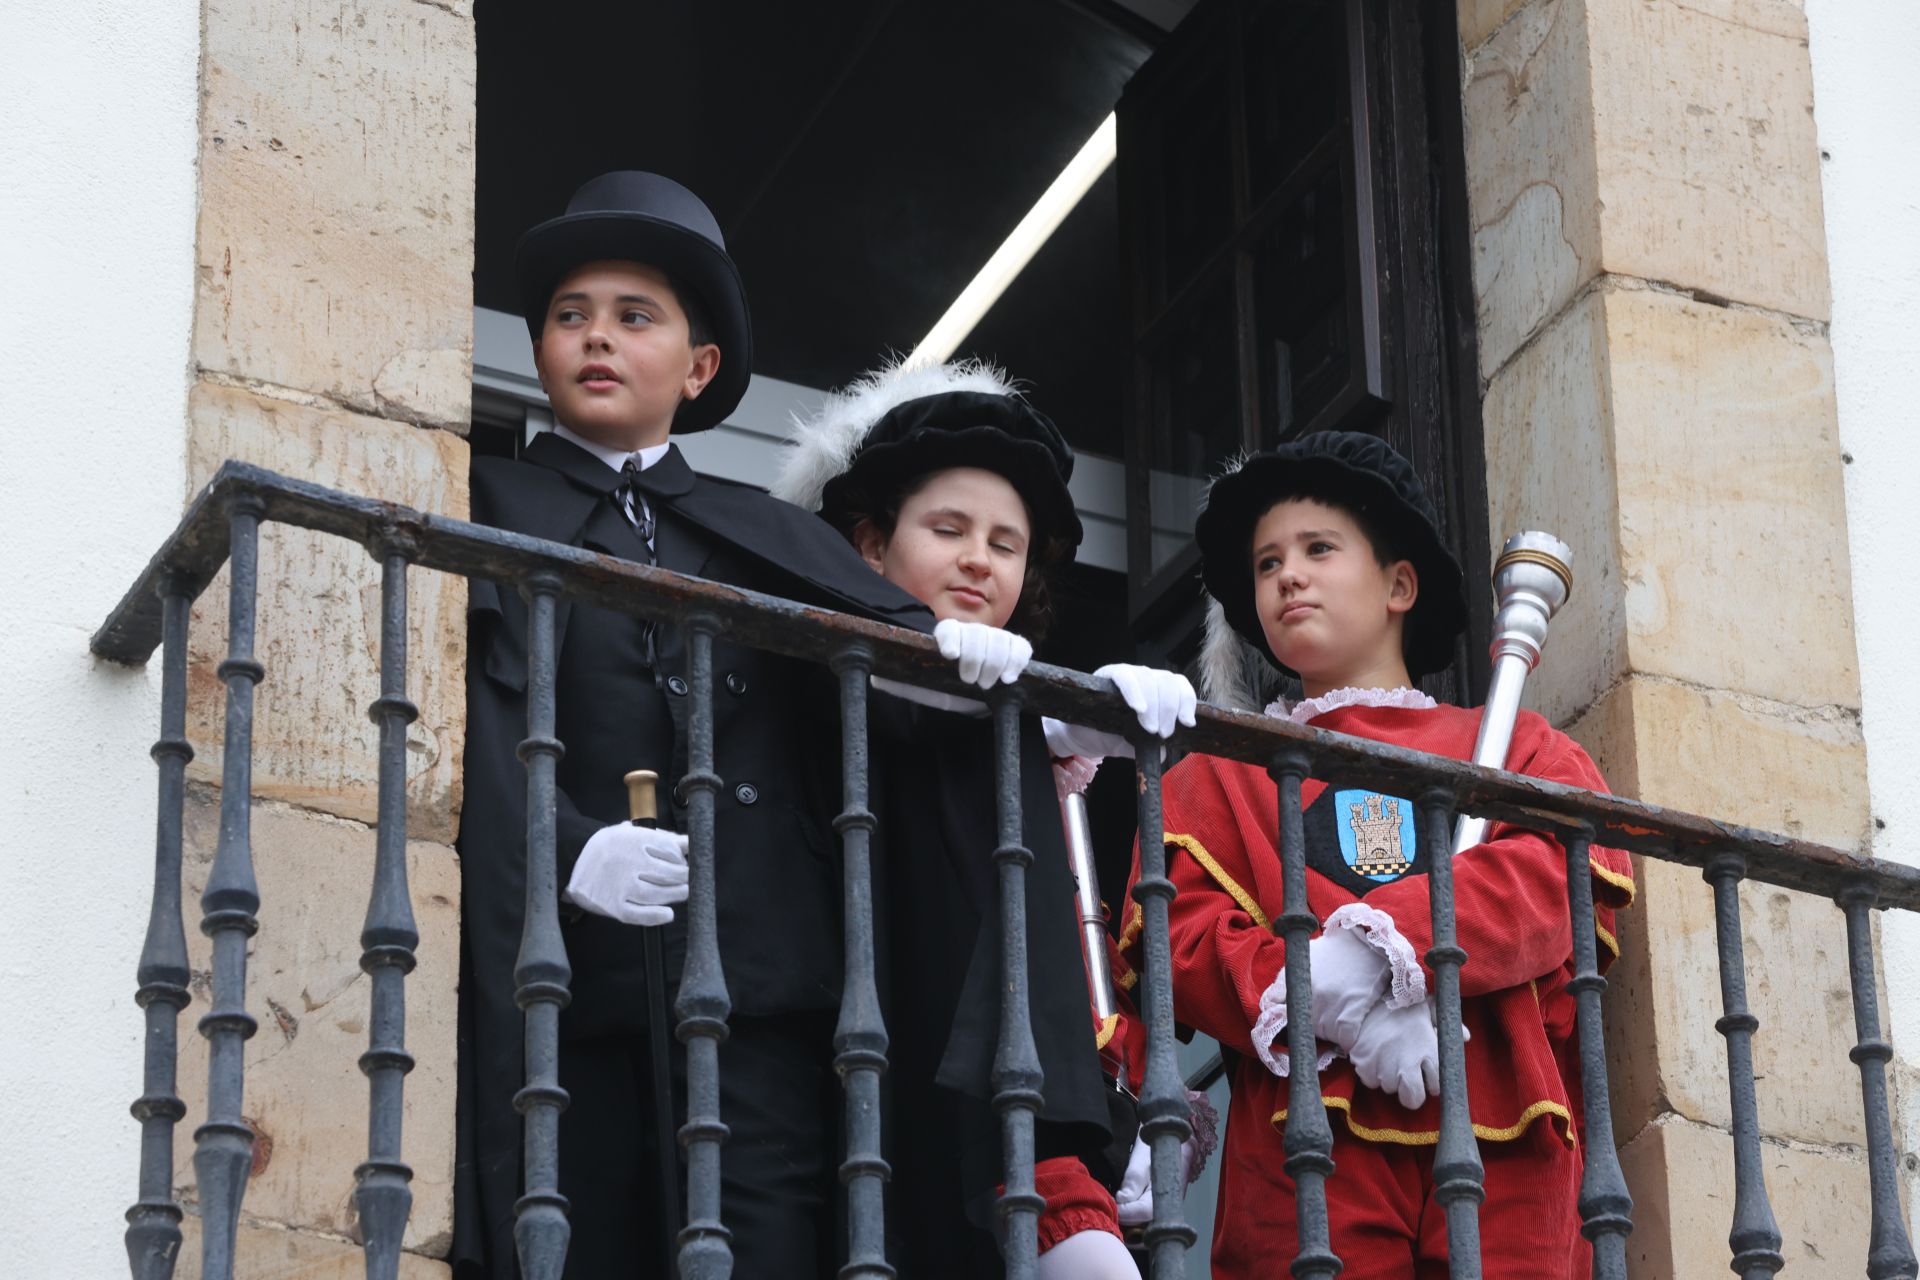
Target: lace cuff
[(1272, 1021), (1206, 1132), (1377, 930), (1073, 774)]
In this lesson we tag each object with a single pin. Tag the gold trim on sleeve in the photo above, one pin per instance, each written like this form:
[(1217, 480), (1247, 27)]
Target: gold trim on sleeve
[(1614, 878), (1227, 882), (1103, 1036)]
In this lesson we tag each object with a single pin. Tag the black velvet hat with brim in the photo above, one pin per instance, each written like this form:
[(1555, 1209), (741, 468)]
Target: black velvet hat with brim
[(998, 433), (631, 216), (1348, 469)]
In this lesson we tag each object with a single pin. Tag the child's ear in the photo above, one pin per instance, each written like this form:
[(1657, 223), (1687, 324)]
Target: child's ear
[(539, 365), (706, 363), (1403, 586), (871, 544)]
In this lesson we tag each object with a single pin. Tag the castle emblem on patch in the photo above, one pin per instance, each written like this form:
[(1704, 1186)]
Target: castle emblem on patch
[(1377, 835)]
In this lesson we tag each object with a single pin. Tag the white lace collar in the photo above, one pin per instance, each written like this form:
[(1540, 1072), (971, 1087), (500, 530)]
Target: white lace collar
[(1308, 709)]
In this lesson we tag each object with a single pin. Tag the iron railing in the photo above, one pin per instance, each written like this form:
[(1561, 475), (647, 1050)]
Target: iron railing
[(221, 527)]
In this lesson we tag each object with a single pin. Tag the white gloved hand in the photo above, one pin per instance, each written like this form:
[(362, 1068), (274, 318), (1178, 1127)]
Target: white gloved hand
[(1349, 979), (987, 655), (1134, 1199), (1088, 1255), (1398, 1051), (1162, 700), (630, 874)]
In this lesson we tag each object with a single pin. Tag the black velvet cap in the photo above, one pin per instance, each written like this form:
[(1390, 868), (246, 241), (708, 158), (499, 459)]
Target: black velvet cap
[(642, 217), (1346, 469), (999, 433)]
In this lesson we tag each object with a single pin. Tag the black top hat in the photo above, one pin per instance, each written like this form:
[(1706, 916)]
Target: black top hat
[(999, 433), (643, 217), (1349, 469)]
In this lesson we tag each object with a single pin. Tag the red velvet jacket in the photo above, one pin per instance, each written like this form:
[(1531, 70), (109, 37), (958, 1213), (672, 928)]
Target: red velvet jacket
[(1512, 918)]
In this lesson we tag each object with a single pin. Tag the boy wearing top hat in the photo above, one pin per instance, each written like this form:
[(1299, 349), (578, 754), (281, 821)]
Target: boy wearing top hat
[(1325, 555), (641, 333)]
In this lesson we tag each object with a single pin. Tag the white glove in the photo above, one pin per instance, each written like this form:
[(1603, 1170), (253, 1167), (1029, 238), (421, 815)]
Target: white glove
[(1398, 1051), (1088, 1255), (1349, 979), (1161, 699), (631, 874), (987, 655), (1135, 1196)]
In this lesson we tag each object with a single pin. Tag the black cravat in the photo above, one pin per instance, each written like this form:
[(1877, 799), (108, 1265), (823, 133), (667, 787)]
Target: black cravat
[(633, 503)]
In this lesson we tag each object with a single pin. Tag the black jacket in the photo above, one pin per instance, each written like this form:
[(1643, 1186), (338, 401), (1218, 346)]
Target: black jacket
[(776, 736)]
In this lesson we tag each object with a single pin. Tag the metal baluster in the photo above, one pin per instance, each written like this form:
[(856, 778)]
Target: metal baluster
[(1016, 1061), (1164, 1112), (860, 1038), (1459, 1179), (223, 1153), (541, 974), (1889, 1251), (1309, 1139), (1606, 1209), (153, 1223), (388, 939), (1755, 1238), (702, 1005)]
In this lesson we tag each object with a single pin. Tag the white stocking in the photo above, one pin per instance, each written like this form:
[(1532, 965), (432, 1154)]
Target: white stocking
[(1088, 1255)]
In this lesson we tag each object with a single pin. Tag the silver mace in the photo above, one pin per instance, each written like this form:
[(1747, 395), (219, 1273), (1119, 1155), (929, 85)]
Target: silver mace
[(1531, 580), (1086, 896)]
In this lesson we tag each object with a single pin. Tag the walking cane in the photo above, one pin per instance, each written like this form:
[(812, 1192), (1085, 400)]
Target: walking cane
[(645, 812), (1531, 580)]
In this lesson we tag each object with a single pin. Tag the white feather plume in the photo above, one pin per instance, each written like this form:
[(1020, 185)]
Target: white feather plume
[(822, 445), (1232, 672)]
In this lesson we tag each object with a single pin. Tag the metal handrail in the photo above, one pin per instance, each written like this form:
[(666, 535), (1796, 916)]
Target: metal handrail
[(198, 548)]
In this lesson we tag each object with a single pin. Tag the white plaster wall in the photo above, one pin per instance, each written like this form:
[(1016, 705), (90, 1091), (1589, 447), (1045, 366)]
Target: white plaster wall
[(98, 137), (1867, 114)]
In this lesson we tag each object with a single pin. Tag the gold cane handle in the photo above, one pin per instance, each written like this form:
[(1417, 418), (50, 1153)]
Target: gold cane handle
[(642, 803)]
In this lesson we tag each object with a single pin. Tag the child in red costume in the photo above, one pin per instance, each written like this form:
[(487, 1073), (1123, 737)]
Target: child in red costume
[(1326, 554)]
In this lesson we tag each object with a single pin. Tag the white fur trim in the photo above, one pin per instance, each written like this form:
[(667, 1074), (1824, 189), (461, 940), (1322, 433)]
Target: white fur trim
[(1271, 1022), (822, 446), (1377, 930), (1306, 709)]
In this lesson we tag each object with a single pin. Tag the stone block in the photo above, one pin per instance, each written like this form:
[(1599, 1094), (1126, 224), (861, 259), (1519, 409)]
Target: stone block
[(305, 1095), (318, 630), (336, 214), (1712, 753), (1549, 446), (274, 1253), (1732, 512), (1681, 1176), (1708, 169), (1533, 201), (1481, 18)]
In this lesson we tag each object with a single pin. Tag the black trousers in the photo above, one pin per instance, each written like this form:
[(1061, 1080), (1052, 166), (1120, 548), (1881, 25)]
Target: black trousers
[(781, 1100)]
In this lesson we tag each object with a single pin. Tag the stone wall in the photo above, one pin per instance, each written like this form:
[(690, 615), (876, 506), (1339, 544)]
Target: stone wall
[(332, 340), (1651, 280)]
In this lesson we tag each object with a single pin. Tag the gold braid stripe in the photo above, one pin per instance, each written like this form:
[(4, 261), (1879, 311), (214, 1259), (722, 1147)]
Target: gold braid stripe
[(1612, 943), (1105, 1034), (1227, 882), (1431, 1137), (1614, 878)]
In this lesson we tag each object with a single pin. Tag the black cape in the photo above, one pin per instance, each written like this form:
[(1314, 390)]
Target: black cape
[(776, 745)]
